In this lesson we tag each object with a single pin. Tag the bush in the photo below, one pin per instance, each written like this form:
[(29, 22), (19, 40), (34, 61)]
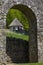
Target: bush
[(15, 13)]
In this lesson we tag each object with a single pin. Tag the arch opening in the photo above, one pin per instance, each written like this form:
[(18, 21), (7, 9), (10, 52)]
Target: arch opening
[(32, 51)]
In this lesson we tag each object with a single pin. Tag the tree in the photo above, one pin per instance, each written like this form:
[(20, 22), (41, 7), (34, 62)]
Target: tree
[(15, 13)]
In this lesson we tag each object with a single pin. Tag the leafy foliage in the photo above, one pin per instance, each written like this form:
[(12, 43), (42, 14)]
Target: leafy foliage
[(15, 13)]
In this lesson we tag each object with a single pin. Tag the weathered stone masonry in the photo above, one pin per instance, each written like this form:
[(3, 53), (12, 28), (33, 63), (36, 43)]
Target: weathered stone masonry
[(37, 8)]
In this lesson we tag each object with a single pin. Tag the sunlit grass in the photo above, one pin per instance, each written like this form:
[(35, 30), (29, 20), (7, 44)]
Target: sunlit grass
[(18, 35), (27, 64)]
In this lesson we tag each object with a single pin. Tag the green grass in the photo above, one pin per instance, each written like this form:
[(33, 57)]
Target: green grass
[(28, 64), (17, 35), (31, 64)]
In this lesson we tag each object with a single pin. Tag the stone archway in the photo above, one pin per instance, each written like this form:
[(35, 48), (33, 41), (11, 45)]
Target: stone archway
[(38, 12), (33, 53), (33, 50)]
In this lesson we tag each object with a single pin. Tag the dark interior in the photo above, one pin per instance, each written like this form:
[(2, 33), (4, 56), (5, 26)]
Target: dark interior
[(17, 50)]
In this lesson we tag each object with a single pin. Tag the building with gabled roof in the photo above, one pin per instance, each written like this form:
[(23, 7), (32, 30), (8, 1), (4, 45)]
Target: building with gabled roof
[(16, 25)]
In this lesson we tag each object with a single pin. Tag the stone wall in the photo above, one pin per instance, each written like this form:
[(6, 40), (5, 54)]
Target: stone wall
[(37, 8)]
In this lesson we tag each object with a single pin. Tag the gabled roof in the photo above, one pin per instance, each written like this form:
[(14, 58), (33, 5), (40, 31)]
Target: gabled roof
[(15, 22)]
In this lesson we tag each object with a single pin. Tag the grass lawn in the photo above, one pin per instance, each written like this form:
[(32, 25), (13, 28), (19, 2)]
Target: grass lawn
[(17, 35), (27, 64)]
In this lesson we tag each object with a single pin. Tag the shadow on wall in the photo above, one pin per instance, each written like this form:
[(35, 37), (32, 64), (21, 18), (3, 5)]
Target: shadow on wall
[(17, 50)]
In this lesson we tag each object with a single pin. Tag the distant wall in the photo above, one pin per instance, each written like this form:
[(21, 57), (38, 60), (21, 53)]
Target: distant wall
[(17, 50)]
